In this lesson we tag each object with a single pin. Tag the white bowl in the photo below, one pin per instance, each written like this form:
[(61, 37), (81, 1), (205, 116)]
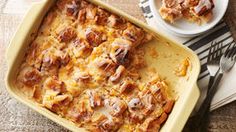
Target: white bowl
[(185, 28)]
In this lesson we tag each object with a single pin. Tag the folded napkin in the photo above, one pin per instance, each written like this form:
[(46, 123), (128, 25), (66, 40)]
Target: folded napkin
[(200, 44)]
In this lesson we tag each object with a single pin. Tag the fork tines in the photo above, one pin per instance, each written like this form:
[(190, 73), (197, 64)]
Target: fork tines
[(231, 51), (215, 50)]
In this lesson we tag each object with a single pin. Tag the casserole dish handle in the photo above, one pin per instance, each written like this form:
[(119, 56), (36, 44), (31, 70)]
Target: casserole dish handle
[(195, 94), (192, 100), (21, 34)]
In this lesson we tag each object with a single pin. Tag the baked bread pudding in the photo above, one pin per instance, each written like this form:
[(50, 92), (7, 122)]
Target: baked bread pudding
[(84, 65), (196, 11)]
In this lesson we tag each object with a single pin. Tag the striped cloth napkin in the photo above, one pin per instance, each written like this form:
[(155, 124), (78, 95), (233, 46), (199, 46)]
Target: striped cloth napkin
[(200, 44)]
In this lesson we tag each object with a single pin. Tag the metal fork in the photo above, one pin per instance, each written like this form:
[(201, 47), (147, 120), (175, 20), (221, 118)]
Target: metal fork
[(213, 60), (227, 61)]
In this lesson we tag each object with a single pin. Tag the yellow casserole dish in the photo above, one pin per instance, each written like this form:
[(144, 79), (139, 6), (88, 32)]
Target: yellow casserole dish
[(170, 55)]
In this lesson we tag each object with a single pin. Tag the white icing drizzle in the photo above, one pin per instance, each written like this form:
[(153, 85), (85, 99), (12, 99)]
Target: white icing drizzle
[(202, 4)]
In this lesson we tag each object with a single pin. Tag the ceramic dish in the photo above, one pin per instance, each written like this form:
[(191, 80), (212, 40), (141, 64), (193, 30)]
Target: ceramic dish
[(184, 28), (170, 56)]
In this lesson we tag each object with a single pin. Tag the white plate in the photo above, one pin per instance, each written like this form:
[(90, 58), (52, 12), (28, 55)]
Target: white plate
[(185, 28)]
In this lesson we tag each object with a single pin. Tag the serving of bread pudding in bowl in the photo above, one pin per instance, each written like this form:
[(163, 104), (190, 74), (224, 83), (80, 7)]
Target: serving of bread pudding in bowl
[(196, 11)]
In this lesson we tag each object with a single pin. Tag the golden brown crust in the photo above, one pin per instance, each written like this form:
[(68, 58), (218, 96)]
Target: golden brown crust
[(84, 65), (67, 34)]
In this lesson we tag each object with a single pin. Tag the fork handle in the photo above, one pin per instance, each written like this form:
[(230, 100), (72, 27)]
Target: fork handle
[(211, 81), (204, 111)]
